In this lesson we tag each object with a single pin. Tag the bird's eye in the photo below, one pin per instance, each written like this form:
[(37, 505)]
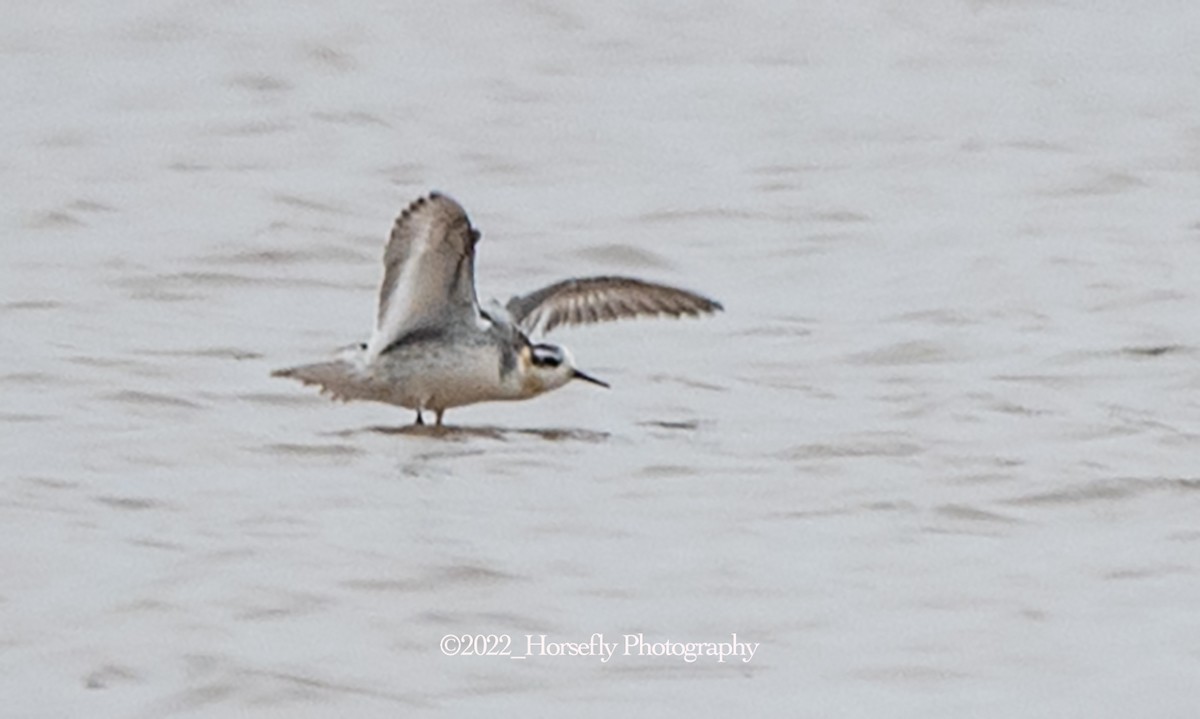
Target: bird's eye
[(544, 356)]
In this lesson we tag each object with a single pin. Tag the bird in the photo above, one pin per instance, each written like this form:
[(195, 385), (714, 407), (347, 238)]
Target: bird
[(435, 347)]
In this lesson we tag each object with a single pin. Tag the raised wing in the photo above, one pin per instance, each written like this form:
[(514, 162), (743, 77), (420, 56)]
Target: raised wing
[(429, 271), (601, 299)]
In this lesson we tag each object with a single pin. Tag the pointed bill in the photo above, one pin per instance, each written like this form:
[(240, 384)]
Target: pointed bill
[(576, 374)]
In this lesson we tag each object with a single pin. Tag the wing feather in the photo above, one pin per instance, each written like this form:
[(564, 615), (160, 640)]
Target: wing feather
[(603, 299), (429, 271)]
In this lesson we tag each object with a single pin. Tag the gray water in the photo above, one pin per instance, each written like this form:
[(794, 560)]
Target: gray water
[(938, 457)]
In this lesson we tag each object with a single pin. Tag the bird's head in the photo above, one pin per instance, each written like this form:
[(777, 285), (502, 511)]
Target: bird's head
[(552, 366)]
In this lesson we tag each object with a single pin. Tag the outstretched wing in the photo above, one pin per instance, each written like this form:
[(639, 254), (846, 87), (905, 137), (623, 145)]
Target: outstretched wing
[(429, 271), (601, 299)]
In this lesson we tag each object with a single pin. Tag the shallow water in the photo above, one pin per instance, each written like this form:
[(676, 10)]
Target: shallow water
[(938, 457)]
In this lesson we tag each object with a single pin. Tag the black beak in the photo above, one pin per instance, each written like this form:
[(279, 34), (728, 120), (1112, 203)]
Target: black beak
[(576, 374)]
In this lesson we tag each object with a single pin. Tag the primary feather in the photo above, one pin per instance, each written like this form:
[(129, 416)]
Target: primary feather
[(429, 271), (602, 299)]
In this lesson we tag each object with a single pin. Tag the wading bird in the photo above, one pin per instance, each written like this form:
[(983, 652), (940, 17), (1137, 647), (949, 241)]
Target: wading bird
[(434, 346)]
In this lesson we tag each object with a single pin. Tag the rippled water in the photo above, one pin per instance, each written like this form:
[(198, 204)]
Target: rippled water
[(938, 457)]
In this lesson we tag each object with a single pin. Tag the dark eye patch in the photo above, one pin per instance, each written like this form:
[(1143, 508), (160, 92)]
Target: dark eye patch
[(544, 356)]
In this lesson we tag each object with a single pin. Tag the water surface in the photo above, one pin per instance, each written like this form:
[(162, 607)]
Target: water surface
[(938, 457)]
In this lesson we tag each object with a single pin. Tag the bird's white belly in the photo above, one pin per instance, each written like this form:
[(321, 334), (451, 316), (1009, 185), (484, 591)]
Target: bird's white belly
[(439, 378)]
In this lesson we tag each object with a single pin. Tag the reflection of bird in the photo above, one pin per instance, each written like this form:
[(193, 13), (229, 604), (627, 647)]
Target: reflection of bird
[(434, 347)]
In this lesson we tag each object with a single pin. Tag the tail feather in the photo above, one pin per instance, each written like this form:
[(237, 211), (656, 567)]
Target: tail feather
[(339, 379)]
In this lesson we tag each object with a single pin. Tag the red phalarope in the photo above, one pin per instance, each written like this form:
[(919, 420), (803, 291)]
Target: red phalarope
[(434, 347)]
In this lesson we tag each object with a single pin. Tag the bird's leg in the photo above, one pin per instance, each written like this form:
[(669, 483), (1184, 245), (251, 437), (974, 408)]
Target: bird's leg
[(420, 419), (440, 412)]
